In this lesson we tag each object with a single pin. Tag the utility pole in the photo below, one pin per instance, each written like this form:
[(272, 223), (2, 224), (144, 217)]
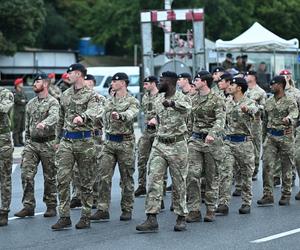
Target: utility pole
[(168, 27)]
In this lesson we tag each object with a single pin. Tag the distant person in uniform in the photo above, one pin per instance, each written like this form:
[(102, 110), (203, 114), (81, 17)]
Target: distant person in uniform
[(263, 78), (228, 63), (20, 100)]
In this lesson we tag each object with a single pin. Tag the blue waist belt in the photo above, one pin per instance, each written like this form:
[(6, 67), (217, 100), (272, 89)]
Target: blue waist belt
[(77, 134), (200, 136), (275, 132), (236, 138)]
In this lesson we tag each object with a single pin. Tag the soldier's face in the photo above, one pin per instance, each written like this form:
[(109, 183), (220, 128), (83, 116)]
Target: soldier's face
[(216, 76), (89, 84), (147, 86), (163, 85), (274, 88), (73, 76), (117, 84), (38, 86), (250, 80), (198, 83), (182, 82), (232, 89), (223, 84)]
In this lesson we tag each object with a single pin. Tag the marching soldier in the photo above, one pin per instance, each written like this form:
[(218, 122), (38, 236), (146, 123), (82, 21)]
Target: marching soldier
[(6, 153), (119, 114), (42, 113)]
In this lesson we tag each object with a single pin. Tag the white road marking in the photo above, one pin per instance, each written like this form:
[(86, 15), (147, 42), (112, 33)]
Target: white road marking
[(14, 167), (14, 218), (276, 236)]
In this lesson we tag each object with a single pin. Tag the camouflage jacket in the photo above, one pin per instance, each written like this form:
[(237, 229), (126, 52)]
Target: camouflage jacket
[(6, 103), (148, 106), (295, 93), (209, 114), (44, 110), (173, 121), (127, 107), (20, 100), (82, 102), (101, 102), (238, 122), (258, 95), (276, 110), (55, 91)]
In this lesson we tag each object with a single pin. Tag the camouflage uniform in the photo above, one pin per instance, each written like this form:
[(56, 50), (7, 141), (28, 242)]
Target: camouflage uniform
[(6, 149), (279, 142), (239, 148), (55, 91), (258, 95), (20, 100), (209, 119), (169, 150), (40, 148), (118, 148), (76, 146), (146, 140), (295, 93)]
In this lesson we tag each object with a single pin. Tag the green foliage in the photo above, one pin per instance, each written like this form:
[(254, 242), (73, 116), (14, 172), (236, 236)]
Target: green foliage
[(20, 21)]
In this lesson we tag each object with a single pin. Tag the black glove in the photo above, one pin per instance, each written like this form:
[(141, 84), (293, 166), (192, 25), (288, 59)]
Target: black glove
[(167, 103)]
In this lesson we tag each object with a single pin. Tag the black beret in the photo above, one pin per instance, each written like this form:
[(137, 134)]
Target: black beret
[(89, 77), (239, 81), (244, 56), (238, 57), (77, 66), (229, 55), (227, 76), (120, 76), (278, 79), (151, 79), (218, 69), (202, 73), (41, 76), (170, 74), (184, 75), (251, 72)]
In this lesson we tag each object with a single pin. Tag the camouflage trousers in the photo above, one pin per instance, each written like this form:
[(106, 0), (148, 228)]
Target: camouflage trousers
[(144, 149), (123, 154), (18, 126), (297, 152), (32, 155), (257, 141), (81, 152), (207, 158), (240, 155), (76, 179), (6, 160), (174, 156), (225, 177), (274, 147)]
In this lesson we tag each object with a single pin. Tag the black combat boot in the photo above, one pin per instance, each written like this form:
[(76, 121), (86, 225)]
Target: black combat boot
[(3, 218), (140, 191), (50, 212), (62, 223), (210, 216), (150, 224), (194, 216), (180, 224), (284, 201), (100, 215), (222, 209), (126, 215), (75, 202), (266, 200), (245, 209), (25, 212), (297, 196), (237, 193), (83, 223)]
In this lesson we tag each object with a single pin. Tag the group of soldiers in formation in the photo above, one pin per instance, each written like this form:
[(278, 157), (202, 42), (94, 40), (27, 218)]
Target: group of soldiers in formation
[(206, 133)]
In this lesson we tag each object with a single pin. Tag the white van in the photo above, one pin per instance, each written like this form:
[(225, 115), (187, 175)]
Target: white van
[(103, 77)]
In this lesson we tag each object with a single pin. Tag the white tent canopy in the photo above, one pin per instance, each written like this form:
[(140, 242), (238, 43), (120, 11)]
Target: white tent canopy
[(258, 38)]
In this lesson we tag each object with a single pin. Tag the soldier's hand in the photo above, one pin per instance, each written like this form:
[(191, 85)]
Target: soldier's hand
[(166, 103), (152, 122), (78, 120), (55, 146), (209, 139), (40, 125), (244, 108), (286, 121), (115, 115)]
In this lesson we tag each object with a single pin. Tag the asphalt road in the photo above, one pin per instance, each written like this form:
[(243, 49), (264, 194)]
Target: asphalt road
[(234, 231)]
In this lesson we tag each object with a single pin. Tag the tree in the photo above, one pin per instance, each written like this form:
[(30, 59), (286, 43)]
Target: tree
[(20, 21)]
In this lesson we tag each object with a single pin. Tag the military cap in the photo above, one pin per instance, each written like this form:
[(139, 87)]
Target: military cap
[(229, 55), (251, 73), (227, 76), (218, 69), (77, 66), (202, 73), (170, 74), (244, 56), (120, 76), (278, 79), (18, 81), (151, 79), (239, 81), (89, 77), (41, 76), (51, 75), (185, 75), (285, 72)]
